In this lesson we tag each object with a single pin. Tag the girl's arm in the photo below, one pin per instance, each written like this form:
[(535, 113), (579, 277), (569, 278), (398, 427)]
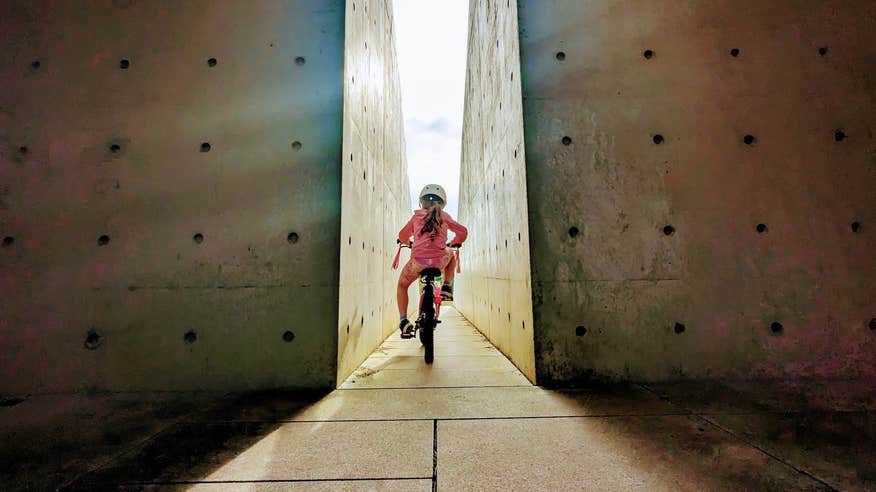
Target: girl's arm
[(458, 229), (404, 235)]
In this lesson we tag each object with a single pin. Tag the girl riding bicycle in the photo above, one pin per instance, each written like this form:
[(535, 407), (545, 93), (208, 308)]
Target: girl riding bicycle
[(428, 228)]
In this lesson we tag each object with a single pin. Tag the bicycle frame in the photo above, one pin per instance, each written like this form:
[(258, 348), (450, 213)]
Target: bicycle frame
[(429, 305)]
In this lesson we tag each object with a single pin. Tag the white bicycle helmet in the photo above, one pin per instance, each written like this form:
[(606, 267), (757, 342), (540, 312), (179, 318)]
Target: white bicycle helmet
[(432, 191)]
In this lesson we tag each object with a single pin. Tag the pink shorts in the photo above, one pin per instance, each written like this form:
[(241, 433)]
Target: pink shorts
[(413, 267)]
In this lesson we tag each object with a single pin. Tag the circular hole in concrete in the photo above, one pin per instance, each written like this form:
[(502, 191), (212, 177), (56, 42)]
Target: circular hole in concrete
[(872, 323), (658, 139), (198, 238), (761, 228), (190, 336), (560, 56), (299, 60), (212, 62), (93, 339), (648, 54), (580, 331), (573, 231), (35, 64), (115, 148), (567, 141), (749, 139), (292, 237), (8, 241), (734, 52), (856, 226), (124, 64), (22, 150), (103, 240), (776, 327), (839, 135), (822, 51), (205, 147), (288, 336), (668, 230), (679, 328), (296, 145)]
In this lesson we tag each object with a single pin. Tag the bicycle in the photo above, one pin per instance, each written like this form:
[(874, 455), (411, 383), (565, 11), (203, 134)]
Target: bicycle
[(430, 306)]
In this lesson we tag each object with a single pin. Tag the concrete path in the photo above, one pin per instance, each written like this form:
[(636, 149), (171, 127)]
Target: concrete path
[(463, 358), (471, 421)]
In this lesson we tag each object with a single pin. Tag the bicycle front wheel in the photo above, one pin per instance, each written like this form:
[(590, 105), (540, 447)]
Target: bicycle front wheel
[(427, 339), (427, 325)]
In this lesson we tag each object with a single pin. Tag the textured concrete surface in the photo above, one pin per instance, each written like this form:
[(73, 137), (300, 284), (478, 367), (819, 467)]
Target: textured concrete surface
[(217, 186), (494, 290), (321, 450), (645, 196), (375, 192), (629, 453), (679, 436), (412, 485)]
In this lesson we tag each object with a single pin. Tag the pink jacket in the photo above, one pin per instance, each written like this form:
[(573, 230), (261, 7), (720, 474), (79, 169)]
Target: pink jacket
[(424, 247)]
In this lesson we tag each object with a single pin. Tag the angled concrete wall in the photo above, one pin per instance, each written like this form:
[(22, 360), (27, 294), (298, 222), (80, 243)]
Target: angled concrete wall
[(665, 243), (375, 193), (184, 211), (494, 289)]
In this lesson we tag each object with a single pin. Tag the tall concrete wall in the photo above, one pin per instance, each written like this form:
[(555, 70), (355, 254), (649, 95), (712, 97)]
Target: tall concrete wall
[(170, 221), (645, 196), (376, 196), (494, 290)]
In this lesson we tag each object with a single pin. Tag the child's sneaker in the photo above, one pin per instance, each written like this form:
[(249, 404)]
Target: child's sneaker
[(446, 292), (407, 329)]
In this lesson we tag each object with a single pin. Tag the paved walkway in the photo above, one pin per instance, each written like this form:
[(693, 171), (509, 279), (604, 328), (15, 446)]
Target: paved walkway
[(463, 358), (471, 421)]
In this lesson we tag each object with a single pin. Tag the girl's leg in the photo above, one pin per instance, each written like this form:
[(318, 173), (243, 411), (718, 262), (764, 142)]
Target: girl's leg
[(450, 269), (405, 279)]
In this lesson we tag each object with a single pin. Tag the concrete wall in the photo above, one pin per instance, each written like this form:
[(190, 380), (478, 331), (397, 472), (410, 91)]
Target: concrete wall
[(376, 196), (494, 289), (617, 297), (91, 146)]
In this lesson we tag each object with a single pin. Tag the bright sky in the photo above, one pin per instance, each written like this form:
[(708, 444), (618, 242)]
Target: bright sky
[(431, 38)]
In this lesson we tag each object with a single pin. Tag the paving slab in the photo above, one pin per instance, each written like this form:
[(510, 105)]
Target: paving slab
[(336, 450), (49, 440), (253, 451), (733, 397), (612, 453), (412, 348), (837, 447), (481, 362), (449, 403), (428, 377), (399, 485)]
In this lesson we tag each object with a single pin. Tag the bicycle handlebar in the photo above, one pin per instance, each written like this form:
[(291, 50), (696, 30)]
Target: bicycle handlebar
[(410, 245)]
